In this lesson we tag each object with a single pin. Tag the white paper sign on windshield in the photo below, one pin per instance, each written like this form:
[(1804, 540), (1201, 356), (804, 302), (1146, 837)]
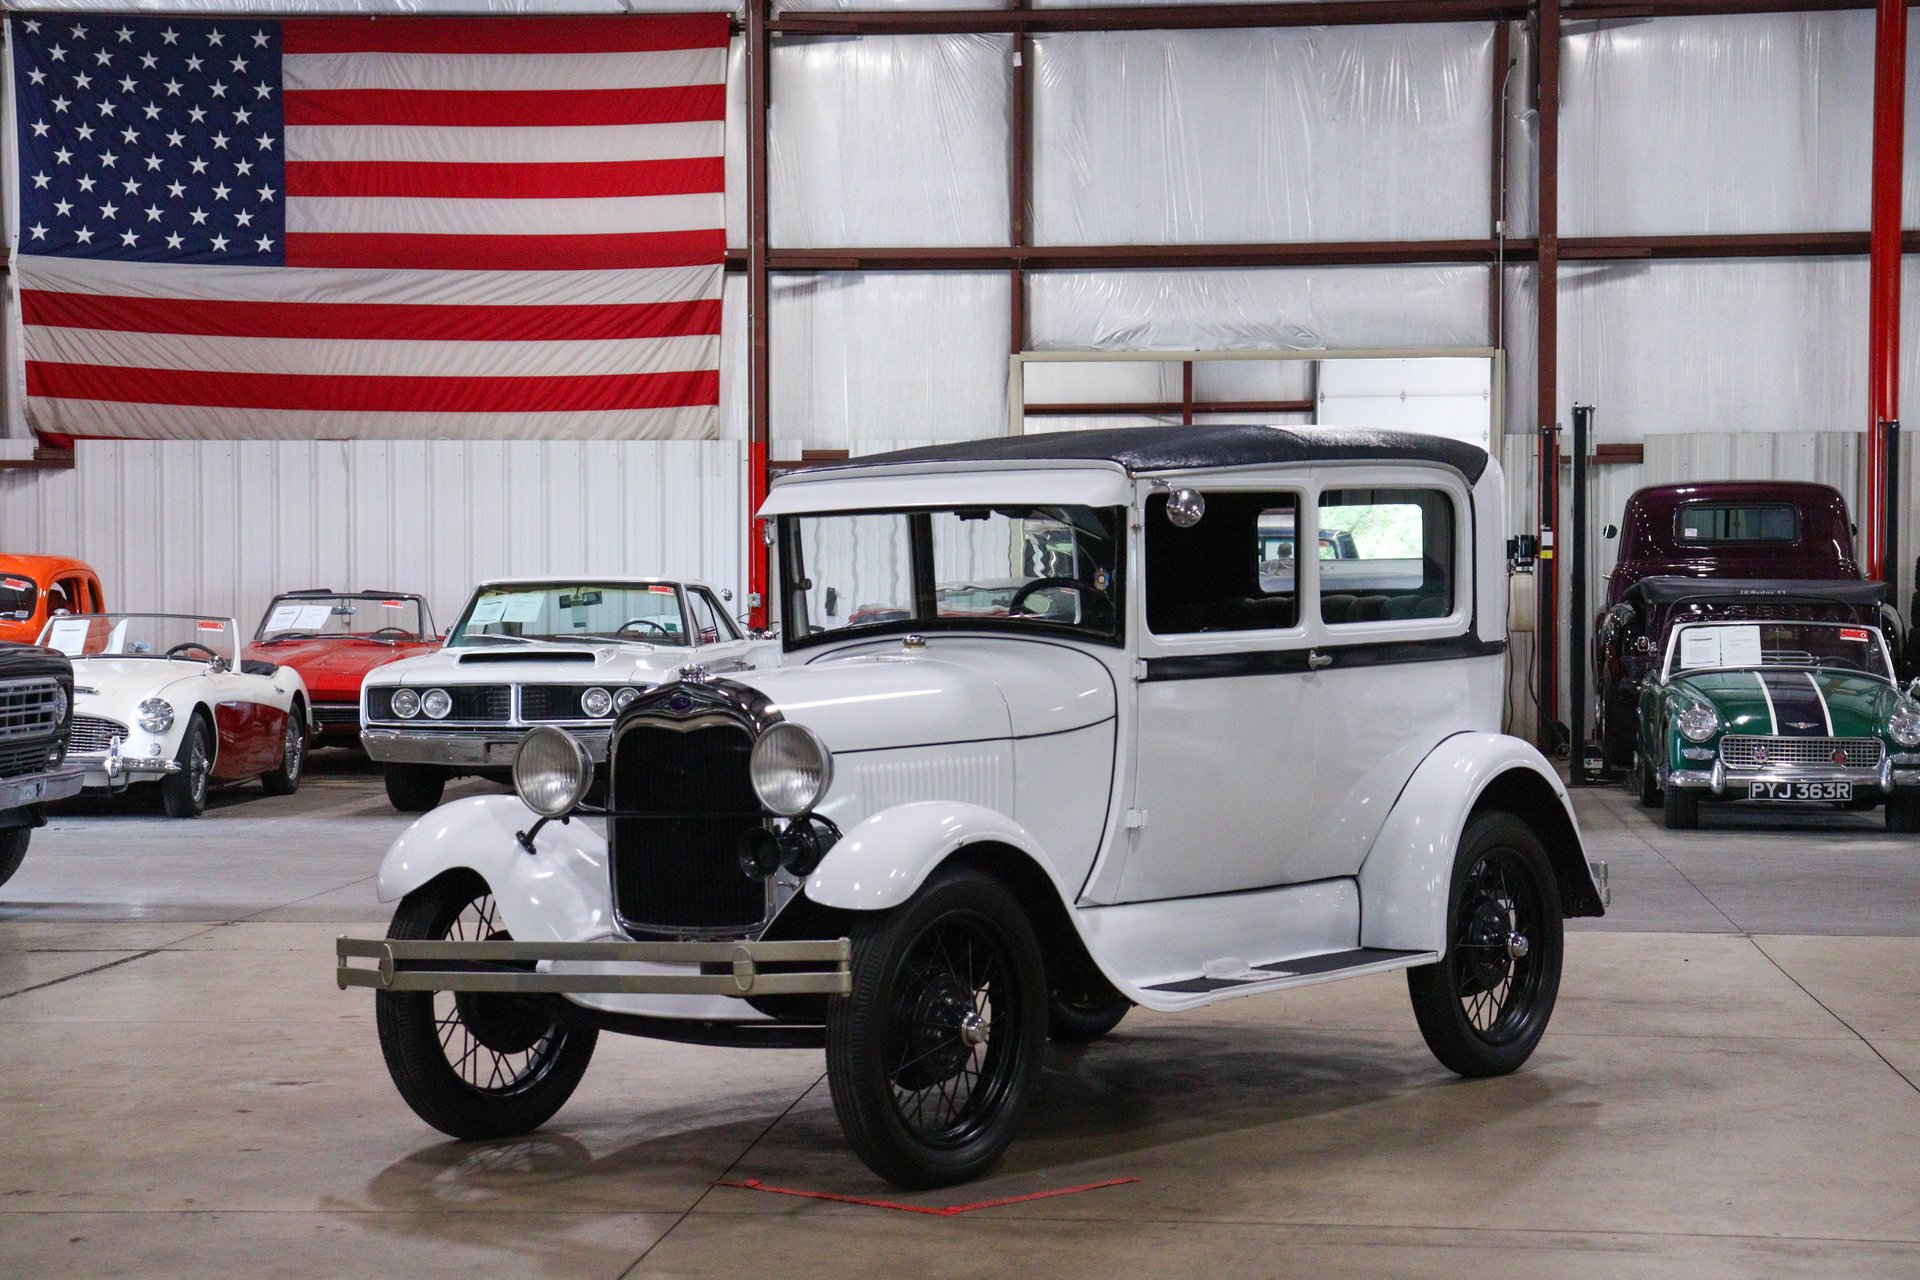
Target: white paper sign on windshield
[(488, 611), (1700, 647), (524, 606), (69, 636), (313, 617), (1740, 646), (283, 618)]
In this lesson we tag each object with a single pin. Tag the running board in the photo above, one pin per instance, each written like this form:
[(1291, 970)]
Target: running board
[(1300, 972)]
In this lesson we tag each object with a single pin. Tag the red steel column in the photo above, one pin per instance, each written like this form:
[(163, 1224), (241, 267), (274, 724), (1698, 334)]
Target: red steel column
[(1883, 272), (760, 430)]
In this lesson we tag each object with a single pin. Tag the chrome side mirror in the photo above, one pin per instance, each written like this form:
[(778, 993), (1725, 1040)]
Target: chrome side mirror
[(219, 665), (726, 593), (1185, 507)]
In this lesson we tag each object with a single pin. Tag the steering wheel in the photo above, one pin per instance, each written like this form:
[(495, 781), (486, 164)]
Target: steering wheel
[(643, 622), (189, 646), (398, 632), (1085, 589)]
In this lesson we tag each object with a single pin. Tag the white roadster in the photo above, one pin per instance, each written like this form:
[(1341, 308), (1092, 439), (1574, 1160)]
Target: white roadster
[(165, 697)]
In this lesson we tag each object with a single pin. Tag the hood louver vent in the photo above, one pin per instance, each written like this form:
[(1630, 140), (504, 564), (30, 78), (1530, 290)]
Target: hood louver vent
[(528, 655)]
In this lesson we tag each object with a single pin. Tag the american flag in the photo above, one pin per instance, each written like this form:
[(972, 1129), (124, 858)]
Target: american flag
[(401, 227)]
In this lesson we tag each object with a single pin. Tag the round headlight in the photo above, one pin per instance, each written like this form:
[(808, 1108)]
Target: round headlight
[(624, 699), (436, 704), (406, 703), (1697, 722), (60, 704), (596, 702), (156, 715), (551, 771), (791, 769), (1903, 726)]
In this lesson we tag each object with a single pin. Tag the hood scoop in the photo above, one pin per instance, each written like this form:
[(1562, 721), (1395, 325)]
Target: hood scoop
[(528, 655)]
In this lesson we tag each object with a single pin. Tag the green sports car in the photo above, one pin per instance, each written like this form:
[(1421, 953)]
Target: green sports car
[(1781, 713)]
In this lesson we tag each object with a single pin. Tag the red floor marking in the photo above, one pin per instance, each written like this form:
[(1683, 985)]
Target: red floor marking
[(944, 1211)]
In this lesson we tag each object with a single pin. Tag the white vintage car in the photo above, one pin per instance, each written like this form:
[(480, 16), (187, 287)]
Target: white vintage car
[(539, 651), (932, 840), (165, 697)]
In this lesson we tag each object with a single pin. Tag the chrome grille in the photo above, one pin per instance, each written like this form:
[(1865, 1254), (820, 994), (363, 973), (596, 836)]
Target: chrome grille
[(682, 801), (94, 734), (26, 709), (1754, 752)]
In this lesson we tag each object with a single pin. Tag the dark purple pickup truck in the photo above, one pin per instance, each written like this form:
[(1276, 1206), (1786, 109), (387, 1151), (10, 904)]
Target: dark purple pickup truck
[(1776, 529)]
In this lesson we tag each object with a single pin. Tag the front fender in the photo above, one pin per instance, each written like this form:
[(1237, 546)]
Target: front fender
[(884, 860), (560, 893), (1406, 880)]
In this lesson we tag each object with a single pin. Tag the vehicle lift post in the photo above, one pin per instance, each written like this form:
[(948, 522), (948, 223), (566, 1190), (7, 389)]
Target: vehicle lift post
[(1578, 772)]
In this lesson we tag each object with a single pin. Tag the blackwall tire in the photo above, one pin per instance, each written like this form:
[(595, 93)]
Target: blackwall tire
[(13, 851), (1646, 783), (1485, 1005), (474, 1066), (1082, 1020), (1682, 809), (184, 792), (414, 788), (285, 780), (934, 1056), (1903, 814)]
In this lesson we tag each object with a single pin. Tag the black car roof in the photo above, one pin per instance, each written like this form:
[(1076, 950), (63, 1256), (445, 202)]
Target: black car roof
[(1672, 589), (1138, 449)]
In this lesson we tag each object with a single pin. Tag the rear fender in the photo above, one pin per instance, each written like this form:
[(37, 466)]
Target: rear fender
[(559, 893), (884, 860), (1407, 877)]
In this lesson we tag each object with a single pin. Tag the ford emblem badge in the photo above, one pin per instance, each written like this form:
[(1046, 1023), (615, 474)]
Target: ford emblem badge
[(680, 702)]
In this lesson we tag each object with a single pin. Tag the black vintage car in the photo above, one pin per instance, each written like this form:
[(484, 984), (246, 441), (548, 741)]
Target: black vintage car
[(36, 715)]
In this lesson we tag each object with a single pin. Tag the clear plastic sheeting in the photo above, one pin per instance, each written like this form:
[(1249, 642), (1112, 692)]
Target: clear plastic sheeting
[(736, 370), (1758, 123), (891, 141), (875, 355), (1746, 346), (736, 155), (1259, 308), (1341, 133)]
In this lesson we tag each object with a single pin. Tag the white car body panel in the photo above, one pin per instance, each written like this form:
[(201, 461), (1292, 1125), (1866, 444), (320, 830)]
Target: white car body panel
[(113, 688)]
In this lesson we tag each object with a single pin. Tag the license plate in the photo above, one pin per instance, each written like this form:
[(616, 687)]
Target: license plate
[(1799, 792)]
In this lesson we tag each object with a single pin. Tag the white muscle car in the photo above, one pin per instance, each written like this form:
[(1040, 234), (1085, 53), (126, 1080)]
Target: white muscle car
[(533, 651), (937, 835), (164, 697)]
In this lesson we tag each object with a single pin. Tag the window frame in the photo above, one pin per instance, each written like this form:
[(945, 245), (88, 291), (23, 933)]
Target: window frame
[(1453, 574), (1681, 509)]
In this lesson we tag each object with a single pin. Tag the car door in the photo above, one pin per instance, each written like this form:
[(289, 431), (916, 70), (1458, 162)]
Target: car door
[(1225, 722), (718, 644)]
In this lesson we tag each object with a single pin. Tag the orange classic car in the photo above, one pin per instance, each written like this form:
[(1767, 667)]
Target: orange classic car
[(35, 588)]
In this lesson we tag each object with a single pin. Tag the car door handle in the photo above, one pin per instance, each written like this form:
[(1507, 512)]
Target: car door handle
[(1317, 660)]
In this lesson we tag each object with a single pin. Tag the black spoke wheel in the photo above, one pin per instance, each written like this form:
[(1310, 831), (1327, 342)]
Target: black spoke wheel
[(937, 1051), (1485, 1005), (475, 1064)]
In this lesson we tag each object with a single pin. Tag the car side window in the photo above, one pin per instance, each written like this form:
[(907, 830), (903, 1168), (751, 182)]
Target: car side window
[(1386, 555), (1230, 570), (707, 625), (62, 598)]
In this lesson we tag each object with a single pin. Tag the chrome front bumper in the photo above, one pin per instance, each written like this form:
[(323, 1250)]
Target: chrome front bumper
[(57, 783), (111, 769), (423, 965), (1718, 779), (489, 748)]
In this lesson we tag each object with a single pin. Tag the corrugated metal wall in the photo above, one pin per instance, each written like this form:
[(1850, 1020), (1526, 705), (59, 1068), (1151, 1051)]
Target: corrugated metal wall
[(220, 526)]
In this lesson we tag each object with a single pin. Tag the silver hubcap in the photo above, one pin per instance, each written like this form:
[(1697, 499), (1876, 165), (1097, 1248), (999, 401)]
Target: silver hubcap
[(197, 765), (1517, 946), (973, 1029)]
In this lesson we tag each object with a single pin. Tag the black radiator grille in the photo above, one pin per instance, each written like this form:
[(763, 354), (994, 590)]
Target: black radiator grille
[(27, 709), (557, 701), (16, 760), (329, 714), (484, 702), (686, 801)]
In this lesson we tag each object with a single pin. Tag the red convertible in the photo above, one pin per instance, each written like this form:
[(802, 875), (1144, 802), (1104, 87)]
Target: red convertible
[(333, 638)]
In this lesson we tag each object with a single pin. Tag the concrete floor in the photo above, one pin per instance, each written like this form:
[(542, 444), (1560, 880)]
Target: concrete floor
[(1731, 1087)]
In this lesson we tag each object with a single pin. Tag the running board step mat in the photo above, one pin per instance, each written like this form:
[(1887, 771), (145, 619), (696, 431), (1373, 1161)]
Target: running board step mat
[(1320, 966)]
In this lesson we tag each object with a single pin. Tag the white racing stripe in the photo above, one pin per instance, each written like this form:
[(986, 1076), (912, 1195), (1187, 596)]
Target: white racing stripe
[(664, 68), (372, 285), (191, 422), (1773, 720), (1825, 711), (529, 144), (375, 357), (591, 216)]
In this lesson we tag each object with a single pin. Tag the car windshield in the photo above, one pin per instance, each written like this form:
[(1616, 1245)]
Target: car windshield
[(954, 568), (143, 635), (16, 597), (1734, 646), (528, 612), (361, 617)]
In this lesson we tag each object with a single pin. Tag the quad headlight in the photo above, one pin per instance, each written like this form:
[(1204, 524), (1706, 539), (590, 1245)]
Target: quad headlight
[(1903, 726), (1697, 722), (624, 699), (436, 704), (596, 702), (405, 703), (551, 771), (156, 715), (791, 769)]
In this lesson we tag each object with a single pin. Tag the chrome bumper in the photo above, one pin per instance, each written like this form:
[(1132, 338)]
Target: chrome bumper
[(423, 965), (111, 769), (57, 783), (1886, 778), (490, 748)]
